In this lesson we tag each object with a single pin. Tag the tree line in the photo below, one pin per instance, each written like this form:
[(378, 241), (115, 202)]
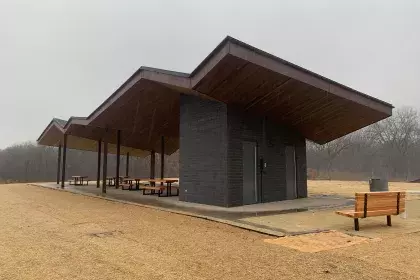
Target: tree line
[(388, 149), (29, 162)]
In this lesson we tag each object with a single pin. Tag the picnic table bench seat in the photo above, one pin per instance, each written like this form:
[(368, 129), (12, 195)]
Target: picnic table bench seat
[(126, 186), (153, 189), (373, 204), (159, 190)]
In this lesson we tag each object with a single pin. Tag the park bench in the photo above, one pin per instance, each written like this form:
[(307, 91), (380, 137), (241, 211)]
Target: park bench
[(373, 204)]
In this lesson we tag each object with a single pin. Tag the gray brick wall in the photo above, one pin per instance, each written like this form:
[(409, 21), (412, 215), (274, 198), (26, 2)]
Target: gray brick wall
[(203, 151), (211, 153), (273, 152), (302, 184), (278, 137), (244, 127), (234, 164)]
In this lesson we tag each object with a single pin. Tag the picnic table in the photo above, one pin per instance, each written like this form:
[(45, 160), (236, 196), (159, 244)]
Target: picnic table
[(113, 179), (78, 180), (152, 185), (166, 181), (127, 182), (174, 178), (110, 181)]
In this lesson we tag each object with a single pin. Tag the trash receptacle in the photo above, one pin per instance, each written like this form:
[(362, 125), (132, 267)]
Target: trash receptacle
[(378, 185)]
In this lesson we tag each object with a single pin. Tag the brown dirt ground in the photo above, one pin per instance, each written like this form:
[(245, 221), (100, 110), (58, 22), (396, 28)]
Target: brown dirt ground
[(317, 242), (48, 234)]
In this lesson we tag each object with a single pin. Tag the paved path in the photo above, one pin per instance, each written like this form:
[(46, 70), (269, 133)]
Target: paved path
[(46, 234)]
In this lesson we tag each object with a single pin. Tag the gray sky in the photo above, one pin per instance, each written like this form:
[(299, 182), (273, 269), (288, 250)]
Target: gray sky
[(62, 58)]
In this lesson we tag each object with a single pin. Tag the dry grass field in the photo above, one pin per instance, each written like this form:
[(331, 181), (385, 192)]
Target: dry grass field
[(348, 188), (48, 234)]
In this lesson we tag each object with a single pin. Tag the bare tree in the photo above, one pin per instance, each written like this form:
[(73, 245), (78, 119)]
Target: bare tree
[(390, 148), (395, 139), (29, 162), (330, 151)]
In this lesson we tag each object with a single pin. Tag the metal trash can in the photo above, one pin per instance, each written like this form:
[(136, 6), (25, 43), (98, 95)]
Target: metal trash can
[(378, 185)]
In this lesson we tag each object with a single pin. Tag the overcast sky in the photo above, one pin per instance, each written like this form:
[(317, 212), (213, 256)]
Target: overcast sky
[(63, 58)]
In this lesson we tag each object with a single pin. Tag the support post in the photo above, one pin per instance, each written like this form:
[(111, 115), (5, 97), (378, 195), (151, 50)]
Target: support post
[(356, 224), (152, 164), (63, 171), (127, 164), (58, 164), (162, 159), (117, 173), (388, 220), (98, 172), (104, 166)]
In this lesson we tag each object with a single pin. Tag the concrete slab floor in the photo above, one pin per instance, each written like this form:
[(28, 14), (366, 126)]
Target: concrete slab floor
[(372, 227), (248, 215)]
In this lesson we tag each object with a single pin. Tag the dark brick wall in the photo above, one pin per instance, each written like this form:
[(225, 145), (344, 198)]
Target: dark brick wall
[(234, 164), (302, 185), (281, 137), (273, 152), (211, 153), (271, 140), (203, 151)]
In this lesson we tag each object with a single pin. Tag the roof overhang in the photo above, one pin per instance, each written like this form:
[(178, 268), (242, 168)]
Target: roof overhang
[(82, 137), (146, 106)]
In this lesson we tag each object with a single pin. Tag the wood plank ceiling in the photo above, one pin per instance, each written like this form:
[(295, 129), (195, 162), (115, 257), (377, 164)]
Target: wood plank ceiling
[(317, 114)]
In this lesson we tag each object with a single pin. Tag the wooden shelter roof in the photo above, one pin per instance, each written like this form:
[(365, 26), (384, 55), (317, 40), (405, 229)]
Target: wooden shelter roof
[(53, 135), (146, 106)]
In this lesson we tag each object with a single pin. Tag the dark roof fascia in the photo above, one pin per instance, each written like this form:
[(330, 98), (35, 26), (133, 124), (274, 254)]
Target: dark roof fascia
[(55, 122)]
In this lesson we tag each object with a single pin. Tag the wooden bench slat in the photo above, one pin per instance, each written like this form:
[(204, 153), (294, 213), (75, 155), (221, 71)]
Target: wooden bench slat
[(349, 213), (354, 214), (382, 212), (123, 186), (376, 207), (153, 188), (387, 193)]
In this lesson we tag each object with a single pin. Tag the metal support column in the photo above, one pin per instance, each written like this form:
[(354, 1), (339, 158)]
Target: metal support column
[(63, 170), (152, 164), (117, 173), (162, 159), (98, 172), (104, 166), (58, 164), (127, 164)]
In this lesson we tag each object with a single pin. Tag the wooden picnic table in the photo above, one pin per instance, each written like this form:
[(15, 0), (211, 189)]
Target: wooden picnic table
[(78, 180), (113, 179), (128, 180), (152, 182), (136, 180), (171, 178), (110, 181), (166, 181)]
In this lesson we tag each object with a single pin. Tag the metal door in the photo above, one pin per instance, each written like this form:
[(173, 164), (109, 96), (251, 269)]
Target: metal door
[(291, 187), (249, 172)]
